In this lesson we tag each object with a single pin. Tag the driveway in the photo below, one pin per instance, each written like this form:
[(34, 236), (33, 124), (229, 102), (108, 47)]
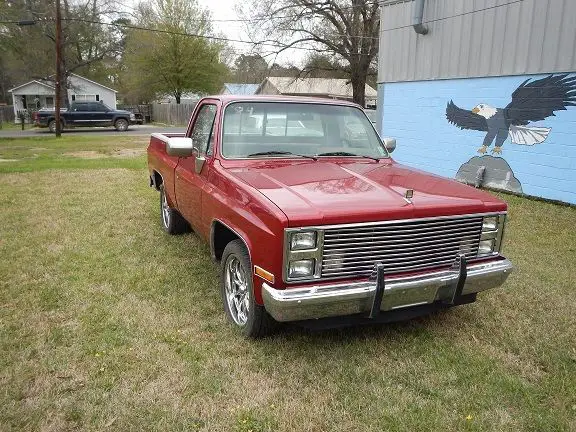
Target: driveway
[(133, 130)]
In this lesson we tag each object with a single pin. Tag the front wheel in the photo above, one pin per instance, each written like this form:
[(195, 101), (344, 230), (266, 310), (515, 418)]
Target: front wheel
[(121, 125), (238, 293)]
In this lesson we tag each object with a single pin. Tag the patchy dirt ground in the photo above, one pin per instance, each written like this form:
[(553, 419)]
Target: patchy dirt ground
[(121, 153), (87, 154), (129, 152)]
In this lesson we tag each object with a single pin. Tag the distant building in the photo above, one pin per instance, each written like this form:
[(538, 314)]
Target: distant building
[(185, 98), (332, 88), (239, 89), (482, 90), (38, 94)]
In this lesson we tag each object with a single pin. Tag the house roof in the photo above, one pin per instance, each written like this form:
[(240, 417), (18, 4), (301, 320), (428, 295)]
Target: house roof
[(30, 82), (52, 87), (94, 82), (338, 87), (241, 89)]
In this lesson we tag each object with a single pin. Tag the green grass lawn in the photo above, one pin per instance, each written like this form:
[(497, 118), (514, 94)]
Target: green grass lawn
[(107, 323)]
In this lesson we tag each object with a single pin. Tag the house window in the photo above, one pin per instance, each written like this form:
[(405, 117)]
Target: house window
[(49, 102), (85, 98)]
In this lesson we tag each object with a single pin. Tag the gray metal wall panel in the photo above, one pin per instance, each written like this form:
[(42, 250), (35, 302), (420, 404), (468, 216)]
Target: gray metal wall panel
[(474, 38), (567, 38)]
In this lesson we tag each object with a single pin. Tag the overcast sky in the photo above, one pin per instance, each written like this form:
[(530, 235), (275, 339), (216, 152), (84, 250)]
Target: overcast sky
[(225, 10)]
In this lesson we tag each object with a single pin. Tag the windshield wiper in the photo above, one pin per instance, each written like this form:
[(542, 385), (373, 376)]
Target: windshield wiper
[(340, 153), (278, 152)]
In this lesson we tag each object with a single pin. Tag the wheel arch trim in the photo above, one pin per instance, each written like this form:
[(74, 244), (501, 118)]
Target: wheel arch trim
[(238, 234), (256, 285), (153, 182)]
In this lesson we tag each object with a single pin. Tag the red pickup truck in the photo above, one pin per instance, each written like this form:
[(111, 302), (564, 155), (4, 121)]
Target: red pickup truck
[(312, 219)]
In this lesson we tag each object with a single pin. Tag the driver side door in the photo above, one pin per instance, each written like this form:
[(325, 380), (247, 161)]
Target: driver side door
[(189, 183)]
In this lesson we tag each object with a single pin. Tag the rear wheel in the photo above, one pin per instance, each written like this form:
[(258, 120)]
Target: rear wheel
[(52, 126), (121, 125), (238, 293), (172, 221)]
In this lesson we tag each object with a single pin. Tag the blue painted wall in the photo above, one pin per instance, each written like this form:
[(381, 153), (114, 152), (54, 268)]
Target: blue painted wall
[(415, 114)]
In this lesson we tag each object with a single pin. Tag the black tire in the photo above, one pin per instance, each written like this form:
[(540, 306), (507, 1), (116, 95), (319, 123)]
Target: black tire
[(121, 125), (172, 222), (258, 323), (52, 126)]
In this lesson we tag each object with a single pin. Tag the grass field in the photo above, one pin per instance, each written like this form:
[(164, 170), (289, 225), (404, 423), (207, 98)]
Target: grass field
[(107, 323)]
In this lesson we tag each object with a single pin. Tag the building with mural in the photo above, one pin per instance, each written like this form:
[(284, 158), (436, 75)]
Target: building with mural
[(483, 91)]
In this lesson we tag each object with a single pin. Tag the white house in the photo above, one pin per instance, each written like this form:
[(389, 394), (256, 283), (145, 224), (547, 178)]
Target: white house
[(37, 94)]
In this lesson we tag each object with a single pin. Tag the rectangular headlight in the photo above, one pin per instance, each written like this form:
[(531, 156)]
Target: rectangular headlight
[(490, 223), (486, 247), (301, 268), (303, 240)]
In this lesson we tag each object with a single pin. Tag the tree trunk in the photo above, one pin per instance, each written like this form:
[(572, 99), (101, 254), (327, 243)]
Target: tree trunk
[(358, 80), (178, 98)]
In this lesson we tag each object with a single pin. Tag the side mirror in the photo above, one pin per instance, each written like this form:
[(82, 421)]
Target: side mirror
[(389, 143), (179, 147)]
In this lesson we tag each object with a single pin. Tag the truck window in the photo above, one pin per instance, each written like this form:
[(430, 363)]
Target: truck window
[(82, 107), (98, 106), (202, 136)]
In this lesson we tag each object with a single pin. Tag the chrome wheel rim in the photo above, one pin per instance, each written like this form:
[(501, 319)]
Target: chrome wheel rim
[(165, 210), (236, 287), (122, 125)]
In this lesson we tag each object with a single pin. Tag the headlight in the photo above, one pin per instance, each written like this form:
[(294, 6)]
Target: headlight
[(302, 254), (301, 268), (303, 240), (132, 117), (486, 247), (491, 237), (490, 223)]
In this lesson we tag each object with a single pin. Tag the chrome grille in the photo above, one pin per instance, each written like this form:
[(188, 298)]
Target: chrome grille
[(401, 246)]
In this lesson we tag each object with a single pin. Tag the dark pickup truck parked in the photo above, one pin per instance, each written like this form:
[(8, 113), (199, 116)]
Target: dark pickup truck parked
[(86, 114)]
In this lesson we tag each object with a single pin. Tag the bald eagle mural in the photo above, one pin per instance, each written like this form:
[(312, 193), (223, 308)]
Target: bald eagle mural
[(532, 101)]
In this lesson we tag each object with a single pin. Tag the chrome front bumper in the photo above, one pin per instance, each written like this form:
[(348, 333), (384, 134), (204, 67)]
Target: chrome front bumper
[(339, 299)]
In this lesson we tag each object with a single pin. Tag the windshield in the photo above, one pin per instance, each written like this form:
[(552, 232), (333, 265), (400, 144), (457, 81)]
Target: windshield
[(371, 114), (276, 129)]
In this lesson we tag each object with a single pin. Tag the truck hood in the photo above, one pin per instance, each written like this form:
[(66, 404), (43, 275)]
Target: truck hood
[(329, 192)]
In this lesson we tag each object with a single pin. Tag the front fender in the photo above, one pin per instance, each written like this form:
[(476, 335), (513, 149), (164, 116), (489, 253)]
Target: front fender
[(254, 219)]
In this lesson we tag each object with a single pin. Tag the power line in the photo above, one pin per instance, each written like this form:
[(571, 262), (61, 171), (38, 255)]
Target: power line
[(216, 38), (455, 16), (268, 18), (271, 44)]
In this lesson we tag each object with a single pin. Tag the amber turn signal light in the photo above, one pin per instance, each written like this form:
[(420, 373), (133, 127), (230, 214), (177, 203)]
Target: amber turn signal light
[(266, 275)]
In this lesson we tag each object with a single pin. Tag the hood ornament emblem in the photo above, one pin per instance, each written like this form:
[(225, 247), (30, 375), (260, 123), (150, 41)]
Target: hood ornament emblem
[(408, 195)]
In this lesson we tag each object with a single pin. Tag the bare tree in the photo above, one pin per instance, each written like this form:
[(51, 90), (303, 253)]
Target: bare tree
[(346, 30)]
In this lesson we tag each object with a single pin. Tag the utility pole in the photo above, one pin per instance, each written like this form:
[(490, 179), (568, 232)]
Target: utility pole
[(58, 69)]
